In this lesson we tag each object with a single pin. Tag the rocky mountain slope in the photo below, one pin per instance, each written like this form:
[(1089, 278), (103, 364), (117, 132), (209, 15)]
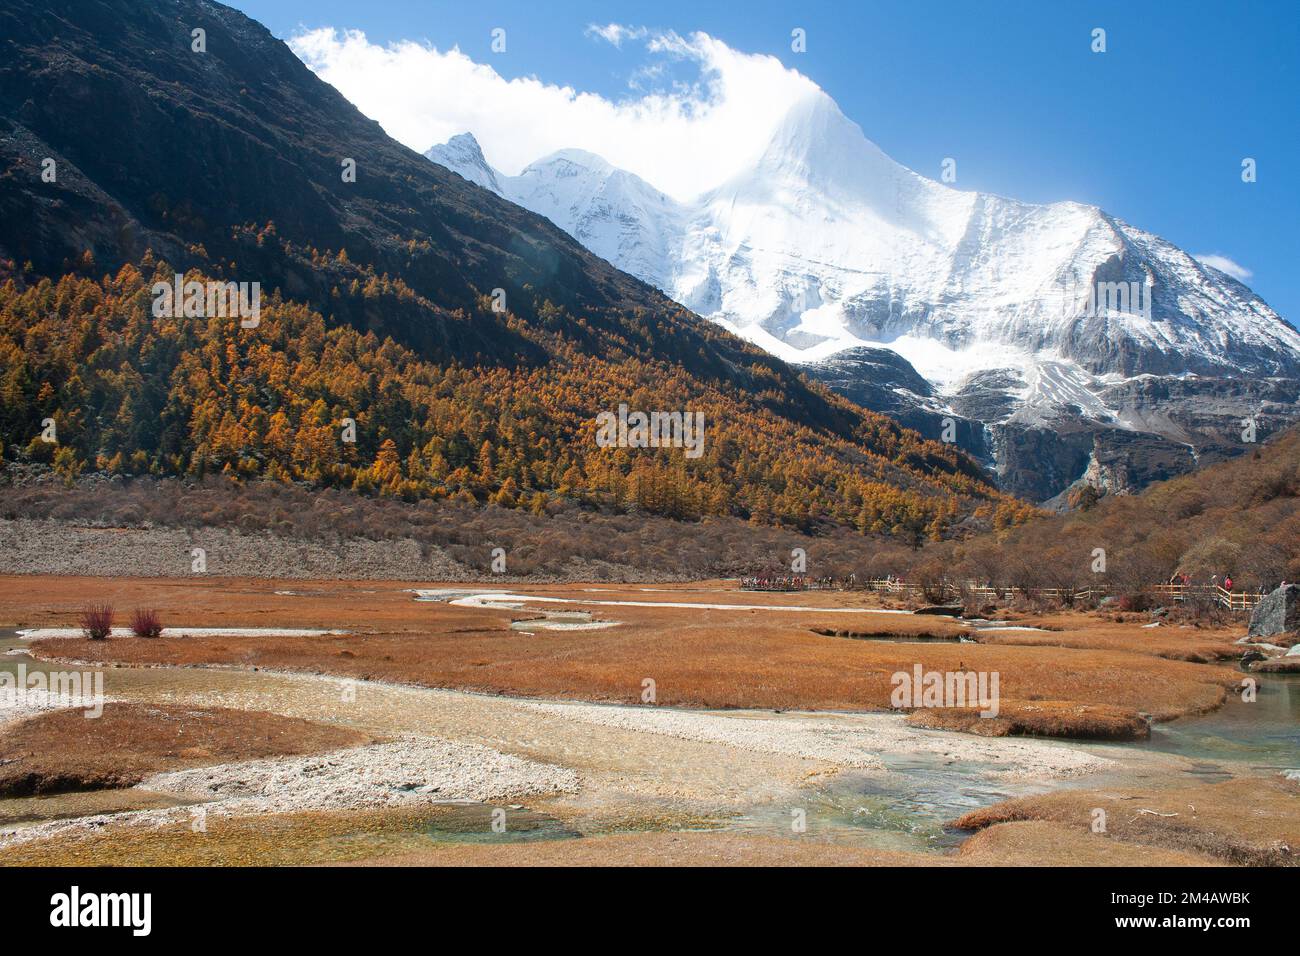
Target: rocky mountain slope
[(1052, 335), (230, 160)]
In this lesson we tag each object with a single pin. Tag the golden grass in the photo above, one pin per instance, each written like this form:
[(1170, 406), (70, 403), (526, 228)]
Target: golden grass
[(1251, 820), (1040, 843), (697, 657), (1043, 718), (1097, 631), (62, 750)]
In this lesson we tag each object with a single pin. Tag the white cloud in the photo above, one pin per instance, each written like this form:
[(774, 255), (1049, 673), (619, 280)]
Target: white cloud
[(616, 33), (1216, 261), (683, 140)]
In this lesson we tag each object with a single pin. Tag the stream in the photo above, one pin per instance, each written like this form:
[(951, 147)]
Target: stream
[(906, 807)]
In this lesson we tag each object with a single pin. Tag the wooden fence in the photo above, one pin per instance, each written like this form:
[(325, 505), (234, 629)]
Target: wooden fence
[(1232, 600)]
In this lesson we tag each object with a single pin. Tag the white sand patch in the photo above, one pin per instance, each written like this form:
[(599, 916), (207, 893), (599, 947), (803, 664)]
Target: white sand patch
[(41, 633), (32, 701), (411, 771), (544, 625), (851, 740), (507, 601)]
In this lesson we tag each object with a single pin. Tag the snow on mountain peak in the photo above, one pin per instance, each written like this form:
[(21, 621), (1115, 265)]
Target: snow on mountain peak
[(462, 154), (824, 243), (817, 145), (580, 159)]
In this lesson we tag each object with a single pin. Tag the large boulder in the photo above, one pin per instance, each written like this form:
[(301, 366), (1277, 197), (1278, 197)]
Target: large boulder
[(1278, 613)]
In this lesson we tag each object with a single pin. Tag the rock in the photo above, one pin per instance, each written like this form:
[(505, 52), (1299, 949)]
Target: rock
[(950, 610), (1251, 656), (1277, 665), (1294, 651), (1277, 613)]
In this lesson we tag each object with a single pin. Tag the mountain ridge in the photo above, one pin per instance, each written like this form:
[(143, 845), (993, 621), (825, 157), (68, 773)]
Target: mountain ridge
[(381, 307), (1031, 313)]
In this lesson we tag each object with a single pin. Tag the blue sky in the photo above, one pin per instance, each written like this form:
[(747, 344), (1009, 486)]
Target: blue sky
[(1154, 130)]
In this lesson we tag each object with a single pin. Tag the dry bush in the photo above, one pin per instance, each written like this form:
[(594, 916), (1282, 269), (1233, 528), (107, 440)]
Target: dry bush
[(1046, 603), (1200, 611), (1210, 557), (974, 604), (1135, 601), (146, 622), (97, 621), (932, 576)]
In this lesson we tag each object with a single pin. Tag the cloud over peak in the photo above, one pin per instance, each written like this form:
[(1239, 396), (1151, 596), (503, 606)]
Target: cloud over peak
[(683, 139), (1225, 265)]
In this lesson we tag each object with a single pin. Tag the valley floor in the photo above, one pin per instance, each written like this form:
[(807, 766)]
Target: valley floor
[(578, 724)]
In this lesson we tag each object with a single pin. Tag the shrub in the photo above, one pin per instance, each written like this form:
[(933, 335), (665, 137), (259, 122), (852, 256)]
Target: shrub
[(145, 622), (97, 621), (1136, 601), (1200, 611), (1045, 603)]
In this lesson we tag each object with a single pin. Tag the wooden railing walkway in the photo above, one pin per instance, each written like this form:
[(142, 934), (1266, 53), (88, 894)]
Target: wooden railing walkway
[(1232, 600)]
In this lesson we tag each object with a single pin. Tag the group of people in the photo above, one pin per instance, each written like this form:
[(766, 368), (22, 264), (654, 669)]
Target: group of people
[(1180, 577), (1184, 579), (793, 582)]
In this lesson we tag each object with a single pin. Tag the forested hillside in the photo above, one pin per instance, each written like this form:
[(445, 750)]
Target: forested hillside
[(1238, 519), (471, 342), (133, 394)]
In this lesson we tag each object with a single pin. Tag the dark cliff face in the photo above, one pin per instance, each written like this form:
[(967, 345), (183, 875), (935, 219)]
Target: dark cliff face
[(1189, 422), (884, 381), (185, 145), (191, 154)]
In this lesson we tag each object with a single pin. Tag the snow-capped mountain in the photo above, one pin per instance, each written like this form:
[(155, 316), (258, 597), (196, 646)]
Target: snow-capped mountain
[(1018, 316)]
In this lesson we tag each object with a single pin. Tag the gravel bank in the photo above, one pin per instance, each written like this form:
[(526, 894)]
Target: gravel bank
[(50, 546), (55, 547), (408, 772), (850, 740), (15, 706)]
